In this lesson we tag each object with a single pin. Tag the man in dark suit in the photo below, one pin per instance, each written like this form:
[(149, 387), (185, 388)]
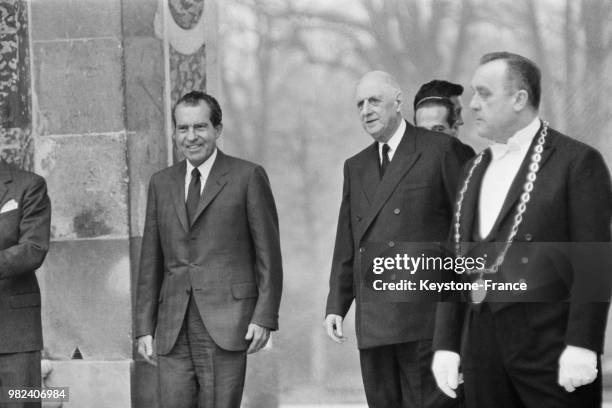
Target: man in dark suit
[(210, 277), (25, 216), (399, 189), (549, 198)]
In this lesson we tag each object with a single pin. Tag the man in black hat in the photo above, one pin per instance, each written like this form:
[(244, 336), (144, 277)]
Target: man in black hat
[(442, 89)]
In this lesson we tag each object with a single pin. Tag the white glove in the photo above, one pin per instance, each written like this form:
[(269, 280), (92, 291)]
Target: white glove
[(577, 366), (445, 367), (333, 327)]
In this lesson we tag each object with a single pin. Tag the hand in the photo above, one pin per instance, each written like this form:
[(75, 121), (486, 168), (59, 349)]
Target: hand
[(577, 367), (333, 326), (258, 336), (445, 367), (145, 348)]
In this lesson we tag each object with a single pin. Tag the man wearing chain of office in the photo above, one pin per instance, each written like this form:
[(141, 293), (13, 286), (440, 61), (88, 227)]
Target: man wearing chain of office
[(538, 204)]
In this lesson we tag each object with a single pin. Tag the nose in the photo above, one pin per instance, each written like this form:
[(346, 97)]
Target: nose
[(474, 102), (191, 135)]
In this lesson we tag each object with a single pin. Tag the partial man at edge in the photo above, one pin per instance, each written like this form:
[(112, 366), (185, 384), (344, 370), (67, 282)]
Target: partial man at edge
[(25, 224)]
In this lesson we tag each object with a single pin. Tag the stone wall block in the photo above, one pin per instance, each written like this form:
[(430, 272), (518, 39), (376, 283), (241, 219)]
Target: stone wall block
[(147, 151), (78, 86), (87, 300), (88, 184), (93, 384), (66, 19), (139, 17)]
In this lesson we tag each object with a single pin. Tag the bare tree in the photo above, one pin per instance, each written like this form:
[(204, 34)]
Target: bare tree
[(403, 37), (277, 52), (576, 34)]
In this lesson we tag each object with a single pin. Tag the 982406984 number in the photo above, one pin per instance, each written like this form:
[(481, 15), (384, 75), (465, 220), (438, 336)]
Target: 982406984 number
[(33, 394)]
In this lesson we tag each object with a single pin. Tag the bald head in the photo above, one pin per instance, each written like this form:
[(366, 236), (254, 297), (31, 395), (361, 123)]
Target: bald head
[(378, 97), (382, 78)]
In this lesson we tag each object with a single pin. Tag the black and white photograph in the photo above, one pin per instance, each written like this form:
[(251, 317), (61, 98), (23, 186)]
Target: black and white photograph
[(305, 204)]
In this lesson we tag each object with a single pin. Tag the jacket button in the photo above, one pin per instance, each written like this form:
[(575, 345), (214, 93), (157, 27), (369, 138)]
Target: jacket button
[(396, 211), (524, 260), (528, 237), (391, 244), (359, 218), (188, 290), (361, 250)]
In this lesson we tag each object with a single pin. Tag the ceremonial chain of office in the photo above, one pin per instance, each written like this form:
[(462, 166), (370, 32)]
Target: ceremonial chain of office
[(534, 166)]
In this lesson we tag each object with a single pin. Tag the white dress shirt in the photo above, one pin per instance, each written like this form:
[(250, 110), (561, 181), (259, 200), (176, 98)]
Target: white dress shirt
[(506, 160), (393, 142), (204, 172)]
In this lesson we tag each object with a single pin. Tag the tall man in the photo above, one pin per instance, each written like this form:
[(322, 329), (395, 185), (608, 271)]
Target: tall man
[(399, 189), (210, 277), (25, 217), (442, 89), (532, 187)]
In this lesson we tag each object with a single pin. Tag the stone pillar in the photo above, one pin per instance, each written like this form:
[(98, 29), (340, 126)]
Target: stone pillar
[(81, 148), (85, 100), (89, 112), (15, 108)]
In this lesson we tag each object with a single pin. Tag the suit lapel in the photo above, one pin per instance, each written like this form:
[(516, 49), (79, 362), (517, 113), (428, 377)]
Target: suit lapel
[(403, 160), (6, 176), (214, 184), (370, 173), (178, 193), (516, 188), (469, 207)]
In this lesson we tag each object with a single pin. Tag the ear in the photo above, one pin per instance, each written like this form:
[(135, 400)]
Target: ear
[(398, 99), (521, 100), (219, 129)]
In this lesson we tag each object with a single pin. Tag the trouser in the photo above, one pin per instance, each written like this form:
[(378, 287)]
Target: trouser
[(507, 363), (19, 370), (197, 372), (399, 376)]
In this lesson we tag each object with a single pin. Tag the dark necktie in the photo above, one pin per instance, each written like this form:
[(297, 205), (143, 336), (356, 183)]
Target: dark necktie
[(193, 194), (385, 159)]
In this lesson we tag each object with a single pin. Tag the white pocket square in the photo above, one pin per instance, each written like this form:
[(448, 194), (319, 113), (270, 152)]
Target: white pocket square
[(9, 206)]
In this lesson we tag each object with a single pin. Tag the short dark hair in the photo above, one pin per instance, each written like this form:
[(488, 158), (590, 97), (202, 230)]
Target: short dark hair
[(522, 72), (194, 98), (451, 118), (439, 88)]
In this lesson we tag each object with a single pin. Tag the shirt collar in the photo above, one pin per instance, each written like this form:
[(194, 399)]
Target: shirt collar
[(395, 139), (204, 167), (520, 141)]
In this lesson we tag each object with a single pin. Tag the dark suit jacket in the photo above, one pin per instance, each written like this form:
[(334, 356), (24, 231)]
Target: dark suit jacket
[(412, 203), (230, 255), (571, 205), (24, 241)]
